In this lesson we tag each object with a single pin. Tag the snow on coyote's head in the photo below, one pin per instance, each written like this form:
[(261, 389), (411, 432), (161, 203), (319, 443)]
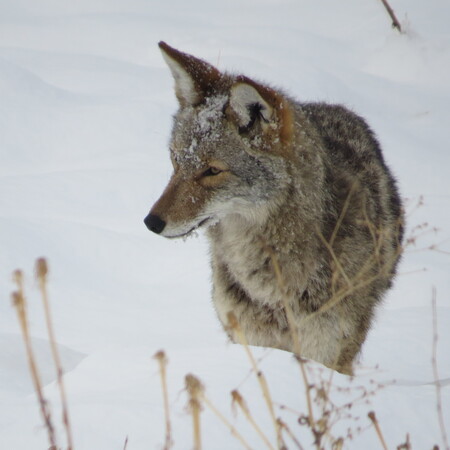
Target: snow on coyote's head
[(230, 136)]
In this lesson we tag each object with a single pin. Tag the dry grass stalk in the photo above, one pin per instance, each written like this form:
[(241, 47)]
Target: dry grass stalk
[(336, 261), (234, 325), (194, 388), (196, 392), (363, 277), (239, 400), (360, 281), (344, 210), (437, 381), (371, 415), (41, 276), (293, 327), (221, 417), (321, 427), (406, 445), (329, 413), (162, 361), (395, 22), (19, 303), (125, 445), (283, 426)]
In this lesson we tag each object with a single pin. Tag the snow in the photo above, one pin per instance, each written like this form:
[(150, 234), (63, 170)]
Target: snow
[(85, 114), (207, 117)]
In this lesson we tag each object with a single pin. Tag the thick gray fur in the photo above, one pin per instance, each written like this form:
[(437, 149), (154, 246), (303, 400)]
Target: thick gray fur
[(305, 190)]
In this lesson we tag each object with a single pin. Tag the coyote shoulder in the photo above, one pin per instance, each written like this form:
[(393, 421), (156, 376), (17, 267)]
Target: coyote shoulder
[(303, 216)]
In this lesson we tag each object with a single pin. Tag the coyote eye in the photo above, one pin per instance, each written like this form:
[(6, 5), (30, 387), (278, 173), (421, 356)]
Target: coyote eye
[(211, 171)]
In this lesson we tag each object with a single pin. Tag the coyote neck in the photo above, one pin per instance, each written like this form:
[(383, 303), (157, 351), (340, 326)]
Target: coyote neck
[(247, 253)]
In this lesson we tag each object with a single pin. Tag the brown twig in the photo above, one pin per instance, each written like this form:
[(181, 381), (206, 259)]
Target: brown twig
[(406, 445), (232, 429), (285, 427), (234, 325), (374, 420), (335, 259), (194, 388), (41, 276), (162, 361), (197, 395), (293, 327), (239, 400), (19, 303), (395, 22), (437, 381)]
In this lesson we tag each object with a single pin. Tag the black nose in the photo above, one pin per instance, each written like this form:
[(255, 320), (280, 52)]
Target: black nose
[(154, 223)]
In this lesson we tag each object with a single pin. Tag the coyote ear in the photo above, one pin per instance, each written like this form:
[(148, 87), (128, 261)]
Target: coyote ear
[(247, 103), (250, 100), (194, 78)]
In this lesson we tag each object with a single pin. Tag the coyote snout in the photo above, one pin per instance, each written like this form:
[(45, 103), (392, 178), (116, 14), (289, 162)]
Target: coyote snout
[(297, 202)]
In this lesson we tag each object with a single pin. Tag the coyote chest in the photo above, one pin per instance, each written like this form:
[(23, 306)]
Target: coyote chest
[(244, 255)]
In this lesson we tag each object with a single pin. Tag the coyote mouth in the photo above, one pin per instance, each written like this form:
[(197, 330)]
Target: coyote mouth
[(196, 227)]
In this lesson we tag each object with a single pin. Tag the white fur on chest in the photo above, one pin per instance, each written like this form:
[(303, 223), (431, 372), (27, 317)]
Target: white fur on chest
[(242, 249)]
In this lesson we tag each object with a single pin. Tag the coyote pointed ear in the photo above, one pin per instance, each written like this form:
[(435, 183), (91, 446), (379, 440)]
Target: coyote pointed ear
[(194, 78), (247, 103), (251, 101)]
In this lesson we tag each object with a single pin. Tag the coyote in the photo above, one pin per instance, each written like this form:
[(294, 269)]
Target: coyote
[(303, 216)]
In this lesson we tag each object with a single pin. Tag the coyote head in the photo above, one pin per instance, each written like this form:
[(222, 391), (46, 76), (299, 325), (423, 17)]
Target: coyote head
[(231, 141)]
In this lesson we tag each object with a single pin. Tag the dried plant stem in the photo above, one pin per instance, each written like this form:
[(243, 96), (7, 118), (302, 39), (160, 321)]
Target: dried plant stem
[(162, 361), (437, 382), (343, 213), (232, 429), (361, 280), (335, 259), (197, 395), (293, 327), (19, 303), (194, 388), (284, 427), (395, 22), (234, 325), (406, 445), (374, 420), (239, 400), (41, 275), (342, 294)]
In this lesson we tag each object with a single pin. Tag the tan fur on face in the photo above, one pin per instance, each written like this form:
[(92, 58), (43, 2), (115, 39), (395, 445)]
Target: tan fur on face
[(181, 200)]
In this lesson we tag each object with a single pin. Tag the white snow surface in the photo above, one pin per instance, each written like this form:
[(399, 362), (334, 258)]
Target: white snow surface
[(85, 116)]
